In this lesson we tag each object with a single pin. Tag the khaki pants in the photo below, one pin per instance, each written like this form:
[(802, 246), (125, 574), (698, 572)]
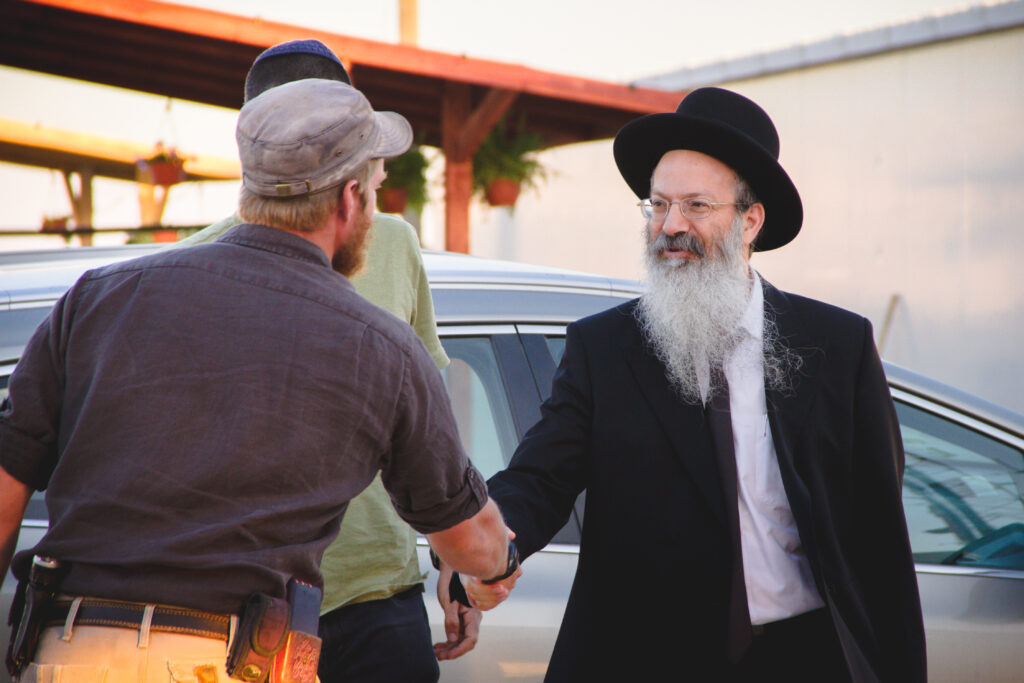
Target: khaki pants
[(100, 654)]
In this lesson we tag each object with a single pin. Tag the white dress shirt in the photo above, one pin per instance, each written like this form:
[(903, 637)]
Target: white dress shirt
[(775, 569)]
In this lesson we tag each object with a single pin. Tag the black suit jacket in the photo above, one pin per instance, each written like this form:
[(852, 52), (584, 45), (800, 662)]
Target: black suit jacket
[(655, 542)]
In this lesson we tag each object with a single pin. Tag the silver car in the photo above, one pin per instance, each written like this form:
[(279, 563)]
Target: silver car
[(503, 325)]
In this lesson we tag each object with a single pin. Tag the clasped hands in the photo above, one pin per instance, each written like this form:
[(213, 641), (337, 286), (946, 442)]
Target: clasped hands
[(462, 622)]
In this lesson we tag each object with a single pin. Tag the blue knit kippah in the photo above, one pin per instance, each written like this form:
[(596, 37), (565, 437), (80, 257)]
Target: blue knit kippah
[(309, 47)]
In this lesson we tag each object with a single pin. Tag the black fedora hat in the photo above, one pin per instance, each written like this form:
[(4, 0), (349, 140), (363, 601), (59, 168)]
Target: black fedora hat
[(730, 128)]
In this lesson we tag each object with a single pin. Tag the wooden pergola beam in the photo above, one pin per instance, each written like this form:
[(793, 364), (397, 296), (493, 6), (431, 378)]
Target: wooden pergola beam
[(36, 145), (258, 32), (480, 122), (192, 53)]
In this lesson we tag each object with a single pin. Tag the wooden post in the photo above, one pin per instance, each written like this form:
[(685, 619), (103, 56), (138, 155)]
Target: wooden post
[(81, 201), (462, 130), (408, 22), (458, 167), (152, 200)]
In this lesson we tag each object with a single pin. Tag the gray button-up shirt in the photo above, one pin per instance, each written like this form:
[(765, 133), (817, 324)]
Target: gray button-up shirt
[(200, 418)]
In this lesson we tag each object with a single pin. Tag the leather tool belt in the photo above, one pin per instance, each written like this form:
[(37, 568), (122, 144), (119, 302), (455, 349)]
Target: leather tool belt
[(277, 638)]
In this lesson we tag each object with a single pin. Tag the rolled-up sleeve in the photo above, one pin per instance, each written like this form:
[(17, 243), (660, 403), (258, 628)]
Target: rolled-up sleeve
[(30, 415), (432, 483)]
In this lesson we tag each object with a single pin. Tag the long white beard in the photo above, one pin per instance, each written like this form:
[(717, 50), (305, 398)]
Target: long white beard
[(691, 310)]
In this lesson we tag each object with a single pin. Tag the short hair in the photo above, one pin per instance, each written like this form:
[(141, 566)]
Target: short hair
[(276, 70), (745, 197), (306, 212)]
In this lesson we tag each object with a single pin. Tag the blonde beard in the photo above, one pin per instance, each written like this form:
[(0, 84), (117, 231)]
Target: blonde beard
[(350, 257), (691, 311)]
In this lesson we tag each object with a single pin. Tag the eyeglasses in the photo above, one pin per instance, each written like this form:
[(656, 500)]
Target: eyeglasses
[(691, 207)]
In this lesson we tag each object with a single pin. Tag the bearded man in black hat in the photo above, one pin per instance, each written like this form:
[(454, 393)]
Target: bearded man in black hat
[(738, 446)]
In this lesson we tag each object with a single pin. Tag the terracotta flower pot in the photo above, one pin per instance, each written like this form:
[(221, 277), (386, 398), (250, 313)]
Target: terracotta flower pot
[(502, 192), (160, 172), (392, 199), (55, 224)]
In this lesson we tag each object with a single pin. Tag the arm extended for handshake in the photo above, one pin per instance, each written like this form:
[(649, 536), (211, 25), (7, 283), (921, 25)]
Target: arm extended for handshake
[(479, 548), (14, 497)]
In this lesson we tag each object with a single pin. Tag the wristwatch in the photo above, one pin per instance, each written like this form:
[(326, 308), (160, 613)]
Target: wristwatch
[(510, 569)]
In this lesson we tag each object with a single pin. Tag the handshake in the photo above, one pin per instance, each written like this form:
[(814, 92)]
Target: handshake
[(482, 549), (483, 594)]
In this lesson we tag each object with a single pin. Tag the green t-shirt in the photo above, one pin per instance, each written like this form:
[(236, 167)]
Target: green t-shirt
[(374, 556)]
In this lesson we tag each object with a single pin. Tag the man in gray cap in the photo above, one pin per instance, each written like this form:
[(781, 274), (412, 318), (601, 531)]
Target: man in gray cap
[(199, 418), (373, 583)]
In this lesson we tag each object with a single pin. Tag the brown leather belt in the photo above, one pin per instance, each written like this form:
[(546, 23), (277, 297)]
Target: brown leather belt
[(119, 614)]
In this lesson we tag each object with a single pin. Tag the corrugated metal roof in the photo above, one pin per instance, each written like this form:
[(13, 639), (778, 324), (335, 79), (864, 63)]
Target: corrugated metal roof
[(983, 18)]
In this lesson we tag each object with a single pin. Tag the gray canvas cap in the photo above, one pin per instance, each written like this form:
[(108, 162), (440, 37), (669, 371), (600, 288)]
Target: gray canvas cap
[(307, 136)]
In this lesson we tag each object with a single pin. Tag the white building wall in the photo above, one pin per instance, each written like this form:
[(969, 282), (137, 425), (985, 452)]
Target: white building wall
[(911, 168)]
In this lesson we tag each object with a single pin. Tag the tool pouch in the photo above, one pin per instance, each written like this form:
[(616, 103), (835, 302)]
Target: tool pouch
[(297, 661), (262, 632), (29, 610)]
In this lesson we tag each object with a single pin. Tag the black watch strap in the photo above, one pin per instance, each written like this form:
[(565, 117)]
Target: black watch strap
[(510, 569)]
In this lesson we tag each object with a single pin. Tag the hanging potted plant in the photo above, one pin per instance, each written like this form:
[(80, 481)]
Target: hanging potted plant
[(165, 168), (406, 182), (505, 162), (55, 224)]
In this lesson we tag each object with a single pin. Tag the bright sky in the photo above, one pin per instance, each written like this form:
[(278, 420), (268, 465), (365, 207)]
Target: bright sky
[(605, 39)]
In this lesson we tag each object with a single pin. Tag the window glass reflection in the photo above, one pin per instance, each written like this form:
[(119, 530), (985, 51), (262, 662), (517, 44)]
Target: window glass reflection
[(963, 493), (479, 402)]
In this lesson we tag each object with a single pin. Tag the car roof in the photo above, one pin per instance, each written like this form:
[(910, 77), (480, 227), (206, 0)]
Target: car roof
[(465, 293), (445, 268), (935, 392), (63, 266), (464, 286)]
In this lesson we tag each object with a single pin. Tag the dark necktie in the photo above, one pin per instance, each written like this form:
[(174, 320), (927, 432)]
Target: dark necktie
[(720, 425)]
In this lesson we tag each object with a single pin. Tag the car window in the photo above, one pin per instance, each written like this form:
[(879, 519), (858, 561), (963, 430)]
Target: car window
[(963, 493), (480, 402), (556, 344), (16, 326)]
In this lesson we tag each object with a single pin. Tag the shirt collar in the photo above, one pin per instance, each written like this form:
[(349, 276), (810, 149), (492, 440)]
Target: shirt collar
[(753, 318), (276, 241)]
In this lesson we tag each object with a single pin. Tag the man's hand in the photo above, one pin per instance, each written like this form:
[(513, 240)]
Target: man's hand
[(488, 596), (461, 623), (477, 546)]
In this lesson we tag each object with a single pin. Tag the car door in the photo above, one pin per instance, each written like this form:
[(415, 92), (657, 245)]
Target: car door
[(496, 393), (963, 495)]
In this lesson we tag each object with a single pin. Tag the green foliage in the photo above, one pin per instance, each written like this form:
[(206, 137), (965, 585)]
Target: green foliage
[(506, 153), (408, 172)]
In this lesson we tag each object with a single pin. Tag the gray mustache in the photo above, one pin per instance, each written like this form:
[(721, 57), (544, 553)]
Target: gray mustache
[(683, 240)]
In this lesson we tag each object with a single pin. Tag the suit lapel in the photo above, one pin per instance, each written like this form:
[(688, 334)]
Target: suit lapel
[(788, 411), (684, 424)]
